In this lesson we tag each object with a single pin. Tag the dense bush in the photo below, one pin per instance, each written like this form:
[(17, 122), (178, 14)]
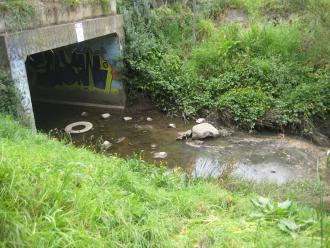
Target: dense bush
[(305, 103), (244, 105), (277, 63), (8, 95)]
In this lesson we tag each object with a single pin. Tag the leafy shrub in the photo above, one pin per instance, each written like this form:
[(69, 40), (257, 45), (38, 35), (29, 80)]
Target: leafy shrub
[(305, 103), (231, 45), (246, 105), (212, 58), (205, 29), (243, 71), (282, 40), (272, 75), (8, 95), (214, 8), (172, 25)]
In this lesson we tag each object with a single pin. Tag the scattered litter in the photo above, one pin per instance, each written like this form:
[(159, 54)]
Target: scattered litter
[(105, 115), (127, 118), (106, 144), (84, 114), (86, 126), (160, 155)]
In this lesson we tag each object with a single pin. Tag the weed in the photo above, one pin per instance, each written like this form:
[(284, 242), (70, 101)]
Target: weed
[(8, 95), (19, 13)]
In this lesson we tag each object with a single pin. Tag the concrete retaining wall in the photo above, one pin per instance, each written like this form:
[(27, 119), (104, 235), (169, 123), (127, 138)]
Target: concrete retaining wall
[(54, 12)]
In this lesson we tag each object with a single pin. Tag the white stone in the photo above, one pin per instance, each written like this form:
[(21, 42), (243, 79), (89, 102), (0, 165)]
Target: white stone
[(160, 155), (105, 116), (84, 114), (127, 118), (121, 139), (200, 120), (106, 144), (204, 130), (171, 125), (149, 119), (153, 146)]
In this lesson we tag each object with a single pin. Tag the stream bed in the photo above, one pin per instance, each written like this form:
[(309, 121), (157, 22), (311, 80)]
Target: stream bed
[(259, 157)]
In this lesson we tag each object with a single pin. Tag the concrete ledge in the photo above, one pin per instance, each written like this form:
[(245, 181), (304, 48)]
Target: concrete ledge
[(22, 44), (54, 12)]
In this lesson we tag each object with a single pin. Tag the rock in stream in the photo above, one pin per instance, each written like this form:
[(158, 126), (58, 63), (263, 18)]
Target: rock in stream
[(204, 130)]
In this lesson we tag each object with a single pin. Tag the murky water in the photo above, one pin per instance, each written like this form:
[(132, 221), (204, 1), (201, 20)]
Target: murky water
[(257, 157)]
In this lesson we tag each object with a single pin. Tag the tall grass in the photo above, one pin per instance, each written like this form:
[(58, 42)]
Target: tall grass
[(56, 195)]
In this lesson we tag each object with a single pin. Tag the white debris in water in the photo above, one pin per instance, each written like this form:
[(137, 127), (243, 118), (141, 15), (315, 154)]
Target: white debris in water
[(149, 119), (153, 146), (105, 115), (171, 125), (200, 120), (84, 114), (160, 155), (127, 118), (106, 144), (120, 140)]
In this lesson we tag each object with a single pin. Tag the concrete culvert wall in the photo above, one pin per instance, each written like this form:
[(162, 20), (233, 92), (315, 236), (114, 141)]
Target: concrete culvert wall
[(72, 60)]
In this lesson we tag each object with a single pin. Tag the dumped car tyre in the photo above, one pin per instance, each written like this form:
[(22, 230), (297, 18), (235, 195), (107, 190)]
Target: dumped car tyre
[(86, 126)]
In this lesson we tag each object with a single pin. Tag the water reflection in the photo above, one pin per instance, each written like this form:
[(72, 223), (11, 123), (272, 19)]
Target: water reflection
[(207, 168)]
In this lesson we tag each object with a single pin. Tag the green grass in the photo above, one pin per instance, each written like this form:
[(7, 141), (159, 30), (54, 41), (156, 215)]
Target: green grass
[(57, 195)]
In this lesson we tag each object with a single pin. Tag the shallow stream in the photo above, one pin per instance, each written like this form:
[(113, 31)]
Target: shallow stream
[(271, 157)]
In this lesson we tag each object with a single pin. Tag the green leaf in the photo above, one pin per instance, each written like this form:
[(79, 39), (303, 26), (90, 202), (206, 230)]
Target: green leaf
[(289, 225)]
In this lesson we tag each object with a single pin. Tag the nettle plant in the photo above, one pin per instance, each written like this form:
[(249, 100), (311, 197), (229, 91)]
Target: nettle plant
[(283, 214)]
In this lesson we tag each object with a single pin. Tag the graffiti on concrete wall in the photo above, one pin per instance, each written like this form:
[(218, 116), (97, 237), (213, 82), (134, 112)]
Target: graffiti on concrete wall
[(70, 68)]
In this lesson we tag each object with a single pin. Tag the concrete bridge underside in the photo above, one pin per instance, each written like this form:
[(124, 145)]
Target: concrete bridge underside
[(97, 81)]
